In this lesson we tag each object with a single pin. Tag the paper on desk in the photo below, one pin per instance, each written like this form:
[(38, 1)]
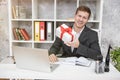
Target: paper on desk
[(81, 61), (68, 61)]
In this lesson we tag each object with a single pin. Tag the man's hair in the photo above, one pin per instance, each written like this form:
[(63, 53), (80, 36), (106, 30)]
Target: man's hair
[(85, 9)]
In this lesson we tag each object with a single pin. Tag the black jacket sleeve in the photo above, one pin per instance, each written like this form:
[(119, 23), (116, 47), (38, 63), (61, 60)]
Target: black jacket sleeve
[(55, 48)]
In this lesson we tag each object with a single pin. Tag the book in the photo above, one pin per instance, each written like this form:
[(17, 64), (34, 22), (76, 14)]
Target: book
[(22, 36), (36, 31), (13, 12), (17, 11), (25, 34), (42, 31), (49, 31), (15, 34), (81, 61), (18, 34)]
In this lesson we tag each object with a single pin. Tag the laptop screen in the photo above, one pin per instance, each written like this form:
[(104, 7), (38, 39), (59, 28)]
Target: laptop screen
[(31, 58)]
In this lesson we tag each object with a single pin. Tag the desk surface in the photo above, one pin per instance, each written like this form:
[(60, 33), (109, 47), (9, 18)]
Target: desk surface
[(63, 71)]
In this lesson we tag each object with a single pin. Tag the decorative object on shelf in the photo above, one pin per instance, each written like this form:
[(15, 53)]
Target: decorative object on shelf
[(115, 56), (22, 12)]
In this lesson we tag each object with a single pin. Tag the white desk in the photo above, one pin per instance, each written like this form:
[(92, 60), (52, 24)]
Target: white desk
[(63, 71)]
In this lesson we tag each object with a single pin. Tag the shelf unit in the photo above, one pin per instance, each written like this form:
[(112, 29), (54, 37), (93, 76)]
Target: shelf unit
[(55, 11)]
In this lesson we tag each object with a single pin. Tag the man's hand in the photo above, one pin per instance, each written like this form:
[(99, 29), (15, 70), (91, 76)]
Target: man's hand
[(74, 43), (53, 58)]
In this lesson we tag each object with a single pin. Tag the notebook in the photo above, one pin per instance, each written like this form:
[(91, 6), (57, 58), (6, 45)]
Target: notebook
[(32, 59), (81, 61)]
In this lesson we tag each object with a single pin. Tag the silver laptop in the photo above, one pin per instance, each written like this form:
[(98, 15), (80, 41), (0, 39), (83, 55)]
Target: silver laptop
[(32, 59)]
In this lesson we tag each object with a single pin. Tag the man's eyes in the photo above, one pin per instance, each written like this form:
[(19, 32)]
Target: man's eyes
[(82, 17)]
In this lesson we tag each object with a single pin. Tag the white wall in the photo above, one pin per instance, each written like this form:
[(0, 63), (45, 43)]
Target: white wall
[(111, 24), (4, 29)]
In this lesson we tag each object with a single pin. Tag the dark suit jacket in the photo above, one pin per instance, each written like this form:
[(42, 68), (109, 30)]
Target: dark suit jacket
[(89, 46)]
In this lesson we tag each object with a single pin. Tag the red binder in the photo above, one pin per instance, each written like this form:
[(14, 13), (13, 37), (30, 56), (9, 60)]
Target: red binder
[(42, 31)]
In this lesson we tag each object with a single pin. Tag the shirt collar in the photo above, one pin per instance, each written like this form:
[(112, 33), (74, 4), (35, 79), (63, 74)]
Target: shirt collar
[(80, 30)]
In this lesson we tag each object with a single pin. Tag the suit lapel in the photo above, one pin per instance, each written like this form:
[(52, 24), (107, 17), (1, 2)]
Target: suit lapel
[(83, 34)]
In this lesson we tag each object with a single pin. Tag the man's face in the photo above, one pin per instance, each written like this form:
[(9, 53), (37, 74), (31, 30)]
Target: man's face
[(81, 19)]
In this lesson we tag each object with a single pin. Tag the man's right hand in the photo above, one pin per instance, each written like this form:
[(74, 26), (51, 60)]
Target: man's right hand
[(53, 58)]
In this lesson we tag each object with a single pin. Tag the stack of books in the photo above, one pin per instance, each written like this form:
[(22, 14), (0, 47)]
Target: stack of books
[(19, 12), (20, 34)]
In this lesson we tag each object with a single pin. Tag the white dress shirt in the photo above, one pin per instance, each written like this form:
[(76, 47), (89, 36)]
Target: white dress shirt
[(77, 35)]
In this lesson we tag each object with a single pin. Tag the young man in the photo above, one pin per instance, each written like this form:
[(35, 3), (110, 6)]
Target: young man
[(86, 42)]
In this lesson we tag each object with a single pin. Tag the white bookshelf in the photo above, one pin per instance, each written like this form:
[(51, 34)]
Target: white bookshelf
[(55, 11)]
